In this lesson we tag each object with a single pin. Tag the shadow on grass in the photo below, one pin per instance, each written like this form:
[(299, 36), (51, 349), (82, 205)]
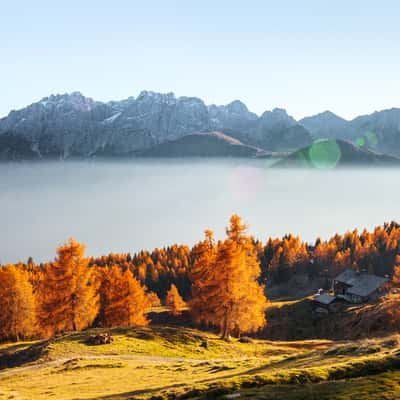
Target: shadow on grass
[(23, 356)]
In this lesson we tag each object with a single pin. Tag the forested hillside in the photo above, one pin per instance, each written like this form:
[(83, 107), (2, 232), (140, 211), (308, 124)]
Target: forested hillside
[(218, 281)]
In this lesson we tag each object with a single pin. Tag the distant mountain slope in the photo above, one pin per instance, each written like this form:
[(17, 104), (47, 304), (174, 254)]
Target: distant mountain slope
[(273, 131), (72, 125), (15, 148), (379, 131), (278, 131), (331, 153), (212, 144), (327, 125)]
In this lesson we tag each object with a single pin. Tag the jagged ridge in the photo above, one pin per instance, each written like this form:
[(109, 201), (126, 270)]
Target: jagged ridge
[(72, 125)]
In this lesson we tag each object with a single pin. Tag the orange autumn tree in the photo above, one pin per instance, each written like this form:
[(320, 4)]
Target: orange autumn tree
[(153, 299), (17, 304), (225, 287), (396, 273), (174, 301), (68, 293), (202, 277), (124, 299)]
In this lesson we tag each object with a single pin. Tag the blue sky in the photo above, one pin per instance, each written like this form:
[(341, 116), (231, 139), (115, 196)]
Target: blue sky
[(306, 56)]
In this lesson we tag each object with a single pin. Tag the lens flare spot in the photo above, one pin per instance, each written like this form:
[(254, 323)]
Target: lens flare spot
[(324, 154), (360, 142), (372, 138)]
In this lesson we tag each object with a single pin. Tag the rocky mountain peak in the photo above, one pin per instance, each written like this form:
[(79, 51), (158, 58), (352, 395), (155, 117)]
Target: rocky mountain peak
[(329, 114), (279, 111), (237, 107), (150, 96), (278, 116), (325, 116), (74, 101)]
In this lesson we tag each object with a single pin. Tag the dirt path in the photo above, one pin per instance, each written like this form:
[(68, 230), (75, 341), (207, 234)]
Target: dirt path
[(61, 361)]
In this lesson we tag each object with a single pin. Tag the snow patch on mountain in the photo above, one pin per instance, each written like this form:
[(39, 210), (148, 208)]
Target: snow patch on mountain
[(111, 119)]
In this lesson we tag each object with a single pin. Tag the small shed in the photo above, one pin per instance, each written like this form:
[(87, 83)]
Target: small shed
[(324, 301)]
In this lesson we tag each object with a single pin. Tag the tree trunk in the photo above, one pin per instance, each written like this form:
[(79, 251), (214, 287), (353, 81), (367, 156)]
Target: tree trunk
[(73, 300), (225, 329)]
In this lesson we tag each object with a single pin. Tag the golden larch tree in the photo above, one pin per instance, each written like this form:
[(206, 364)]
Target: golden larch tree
[(396, 273), (69, 297), (225, 288), (153, 299), (202, 276), (124, 299), (17, 304), (174, 301)]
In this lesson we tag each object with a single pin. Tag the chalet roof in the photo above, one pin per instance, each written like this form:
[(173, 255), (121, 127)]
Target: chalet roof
[(360, 284), (325, 299), (366, 285), (348, 277)]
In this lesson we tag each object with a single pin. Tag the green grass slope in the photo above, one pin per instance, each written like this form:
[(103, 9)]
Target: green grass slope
[(169, 362)]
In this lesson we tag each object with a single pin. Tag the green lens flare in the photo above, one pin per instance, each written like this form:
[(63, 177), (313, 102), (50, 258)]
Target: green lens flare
[(372, 138), (360, 142), (324, 154)]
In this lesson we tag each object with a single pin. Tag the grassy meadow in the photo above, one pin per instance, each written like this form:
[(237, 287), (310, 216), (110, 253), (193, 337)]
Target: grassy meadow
[(161, 362)]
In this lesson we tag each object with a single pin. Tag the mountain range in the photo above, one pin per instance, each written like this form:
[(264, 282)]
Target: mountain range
[(74, 126)]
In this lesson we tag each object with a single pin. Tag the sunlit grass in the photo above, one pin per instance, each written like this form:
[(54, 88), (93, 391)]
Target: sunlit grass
[(167, 361)]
